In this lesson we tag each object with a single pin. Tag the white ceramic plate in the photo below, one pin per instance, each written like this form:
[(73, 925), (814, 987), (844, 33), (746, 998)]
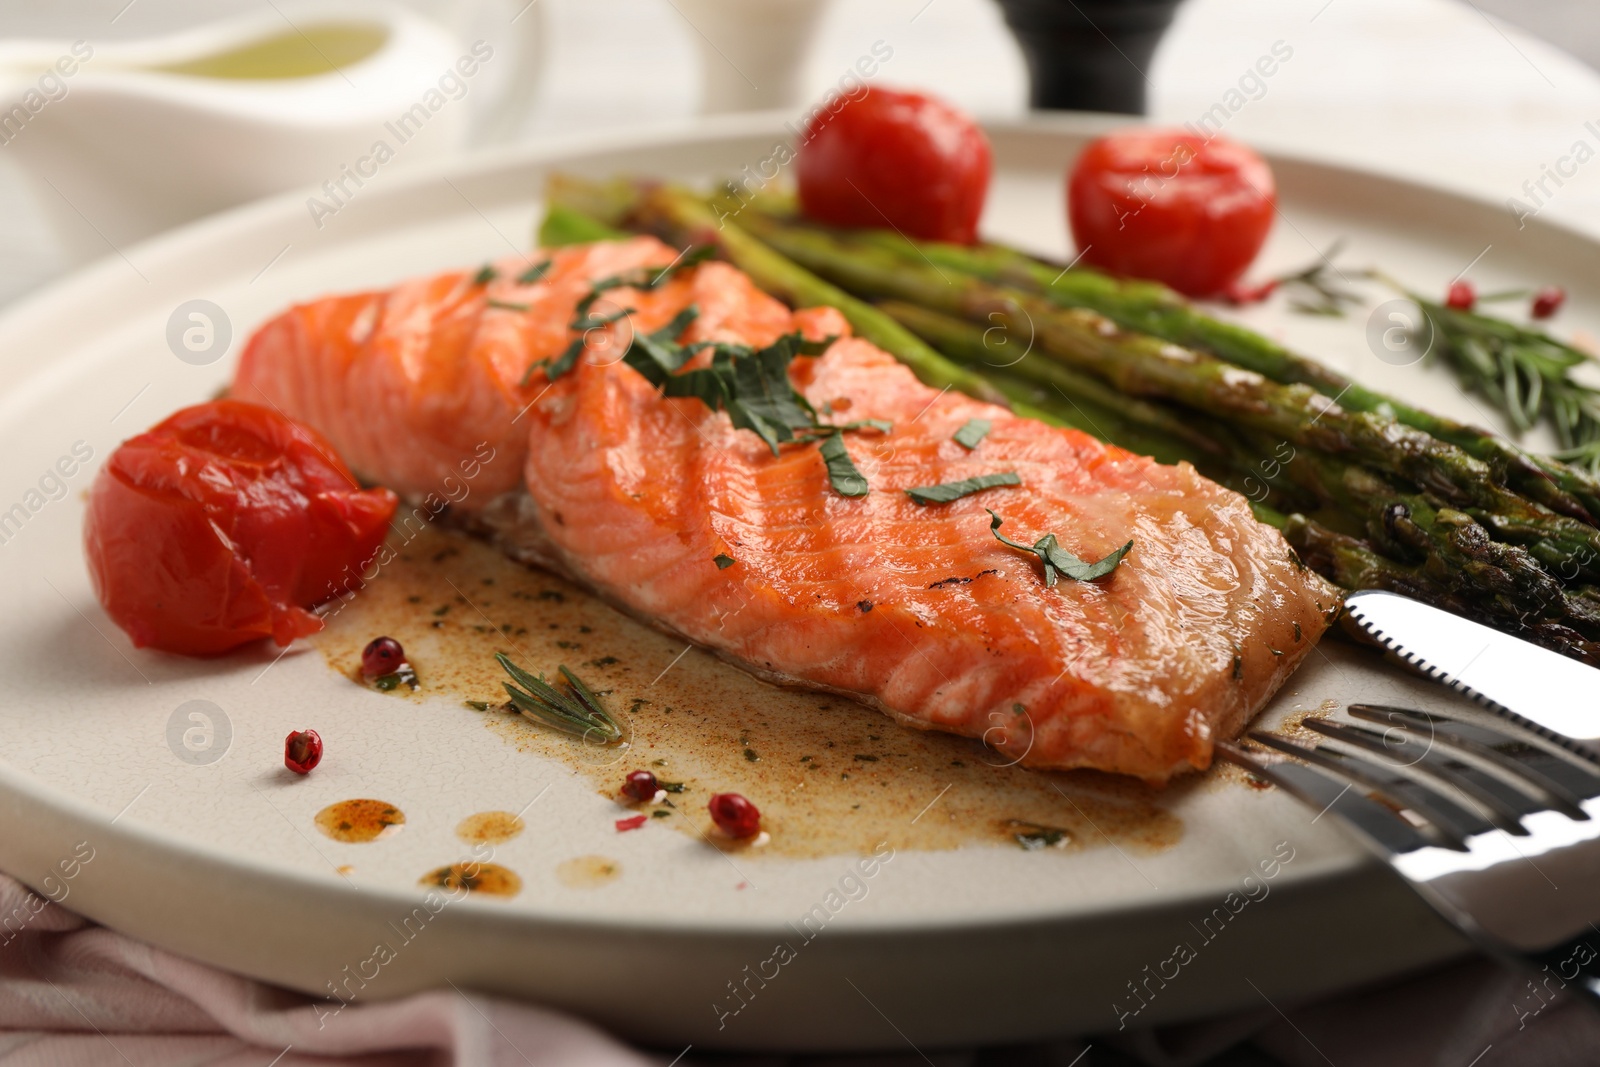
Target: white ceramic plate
[(221, 861)]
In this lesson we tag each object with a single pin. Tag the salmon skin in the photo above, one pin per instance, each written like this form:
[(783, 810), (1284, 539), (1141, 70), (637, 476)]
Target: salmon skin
[(662, 507)]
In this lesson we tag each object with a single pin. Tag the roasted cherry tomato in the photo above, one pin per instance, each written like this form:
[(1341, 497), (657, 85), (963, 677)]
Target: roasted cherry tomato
[(224, 524), (900, 160), (1171, 206)]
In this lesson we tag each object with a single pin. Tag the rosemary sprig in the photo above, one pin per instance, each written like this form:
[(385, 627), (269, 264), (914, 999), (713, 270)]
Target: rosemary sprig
[(577, 711), (1524, 372), (1314, 289)]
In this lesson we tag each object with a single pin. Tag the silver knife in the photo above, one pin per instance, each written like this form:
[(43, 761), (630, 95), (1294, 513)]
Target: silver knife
[(1543, 688)]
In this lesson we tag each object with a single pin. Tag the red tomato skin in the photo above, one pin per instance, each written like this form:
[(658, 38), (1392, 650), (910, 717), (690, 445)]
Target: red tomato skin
[(223, 525), (1172, 207), (900, 160)]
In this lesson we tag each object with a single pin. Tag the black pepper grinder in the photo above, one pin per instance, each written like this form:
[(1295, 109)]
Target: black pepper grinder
[(1089, 55)]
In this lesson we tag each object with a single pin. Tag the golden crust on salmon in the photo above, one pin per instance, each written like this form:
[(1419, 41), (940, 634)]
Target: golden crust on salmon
[(917, 610)]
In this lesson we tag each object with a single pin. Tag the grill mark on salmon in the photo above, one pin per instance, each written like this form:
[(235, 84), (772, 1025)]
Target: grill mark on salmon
[(916, 610)]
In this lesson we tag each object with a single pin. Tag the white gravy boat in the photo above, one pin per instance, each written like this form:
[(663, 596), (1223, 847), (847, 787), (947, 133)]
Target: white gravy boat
[(123, 139)]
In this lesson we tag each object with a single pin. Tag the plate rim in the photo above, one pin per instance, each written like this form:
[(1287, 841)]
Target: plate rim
[(58, 297)]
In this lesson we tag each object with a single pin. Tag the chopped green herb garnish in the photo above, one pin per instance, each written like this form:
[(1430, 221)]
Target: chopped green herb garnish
[(485, 275), (1058, 560), (586, 321), (577, 711), (656, 277), (722, 561), (657, 355), (943, 494), (823, 429), (507, 305), (842, 473), (660, 813), (972, 431), (582, 320), (753, 388), (563, 363), (1033, 836), (478, 705), (671, 787), (535, 273), (402, 675)]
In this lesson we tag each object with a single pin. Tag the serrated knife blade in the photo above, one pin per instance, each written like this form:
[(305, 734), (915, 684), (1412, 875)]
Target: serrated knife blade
[(1543, 688)]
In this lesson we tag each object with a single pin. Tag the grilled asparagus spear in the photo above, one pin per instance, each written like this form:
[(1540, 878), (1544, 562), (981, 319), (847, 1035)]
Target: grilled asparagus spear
[(1152, 308)]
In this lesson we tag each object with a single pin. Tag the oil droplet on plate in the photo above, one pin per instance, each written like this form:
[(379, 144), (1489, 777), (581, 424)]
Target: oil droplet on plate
[(361, 820), (490, 879), (588, 872), (344, 871), (490, 827)]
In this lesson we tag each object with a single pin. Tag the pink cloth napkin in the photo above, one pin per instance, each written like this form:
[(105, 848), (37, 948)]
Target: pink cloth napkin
[(74, 993)]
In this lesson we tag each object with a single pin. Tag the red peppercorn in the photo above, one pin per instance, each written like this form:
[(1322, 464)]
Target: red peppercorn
[(1548, 301), (640, 786), (734, 815), (1461, 296), (1241, 294), (383, 655), (302, 750)]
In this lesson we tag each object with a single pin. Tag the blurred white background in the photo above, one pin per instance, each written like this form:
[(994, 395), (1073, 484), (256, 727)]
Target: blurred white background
[(1436, 89)]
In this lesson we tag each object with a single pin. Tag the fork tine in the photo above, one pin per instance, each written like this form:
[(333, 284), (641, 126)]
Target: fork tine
[(1506, 805), (1568, 784), (1381, 825), (1454, 823)]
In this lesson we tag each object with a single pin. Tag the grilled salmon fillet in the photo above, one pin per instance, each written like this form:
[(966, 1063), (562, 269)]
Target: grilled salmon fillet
[(916, 610)]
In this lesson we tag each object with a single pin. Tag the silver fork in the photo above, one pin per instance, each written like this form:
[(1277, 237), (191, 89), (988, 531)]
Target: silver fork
[(1499, 832)]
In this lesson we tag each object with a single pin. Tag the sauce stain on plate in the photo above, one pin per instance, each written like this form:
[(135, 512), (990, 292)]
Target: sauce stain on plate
[(490, 879), (361, 820), (489, 827), (830, 776), (588, 872)]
